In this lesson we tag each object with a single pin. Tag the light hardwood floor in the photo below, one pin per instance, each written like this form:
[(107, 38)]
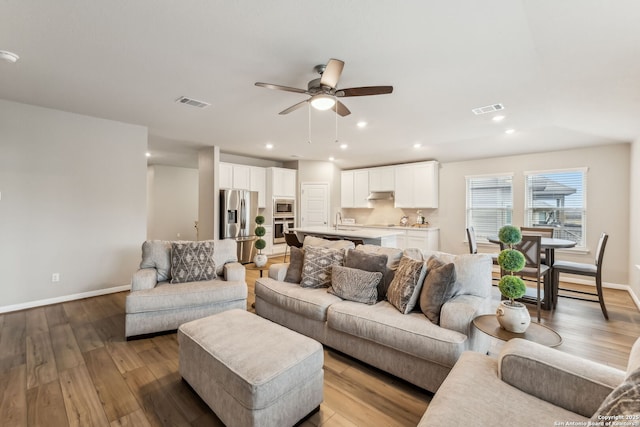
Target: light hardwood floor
[(69, 365)]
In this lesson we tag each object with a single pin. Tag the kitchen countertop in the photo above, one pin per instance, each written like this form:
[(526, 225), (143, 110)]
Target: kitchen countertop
[(348, 231), (388, 226)]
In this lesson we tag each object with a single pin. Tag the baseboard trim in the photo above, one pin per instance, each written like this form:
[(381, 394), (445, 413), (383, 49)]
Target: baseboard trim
[(64, 298), (609, 285)]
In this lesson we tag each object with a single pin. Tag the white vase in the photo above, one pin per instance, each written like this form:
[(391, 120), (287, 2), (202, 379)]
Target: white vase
[(513, 318), (260, 260)]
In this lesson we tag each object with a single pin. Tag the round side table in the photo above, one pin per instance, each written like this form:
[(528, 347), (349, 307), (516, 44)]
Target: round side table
[(488, 323)]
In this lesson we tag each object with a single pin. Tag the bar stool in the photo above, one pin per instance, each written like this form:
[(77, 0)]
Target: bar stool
[(291, 239)]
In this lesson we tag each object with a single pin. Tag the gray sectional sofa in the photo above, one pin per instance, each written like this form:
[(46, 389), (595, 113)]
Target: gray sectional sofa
[(409, 346), (155, 304)]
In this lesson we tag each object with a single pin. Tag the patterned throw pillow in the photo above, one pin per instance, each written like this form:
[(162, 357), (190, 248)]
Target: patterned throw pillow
[(369, 262), (316, 269), (439, 286), (404, 290), (355, 285), (623, 400), (192, 262)]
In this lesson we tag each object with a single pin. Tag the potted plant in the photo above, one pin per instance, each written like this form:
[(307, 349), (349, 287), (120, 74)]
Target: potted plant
[(512, 315), (260, 260)]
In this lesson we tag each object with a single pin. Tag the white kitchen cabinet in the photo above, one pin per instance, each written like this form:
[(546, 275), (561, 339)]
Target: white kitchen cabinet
[(226, 175), (382, 178), (416, 185), (241, 177), (268, 238), (425, 239), (283, 182), (354, 189), (258, 182)]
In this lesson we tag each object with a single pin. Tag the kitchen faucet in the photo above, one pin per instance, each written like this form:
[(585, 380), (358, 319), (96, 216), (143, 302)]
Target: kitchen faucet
[(338, 215)]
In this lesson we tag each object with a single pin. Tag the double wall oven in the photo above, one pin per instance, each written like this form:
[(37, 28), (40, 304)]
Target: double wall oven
[(283, 218)]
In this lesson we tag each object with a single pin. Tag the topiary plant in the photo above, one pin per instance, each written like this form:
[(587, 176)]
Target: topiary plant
[(511, 260), (260, 244)]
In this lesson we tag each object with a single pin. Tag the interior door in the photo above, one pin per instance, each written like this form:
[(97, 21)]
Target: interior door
[(314, 204)]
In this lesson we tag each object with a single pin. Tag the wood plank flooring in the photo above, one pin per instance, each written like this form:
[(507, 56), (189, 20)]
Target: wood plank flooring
[(69, 365)]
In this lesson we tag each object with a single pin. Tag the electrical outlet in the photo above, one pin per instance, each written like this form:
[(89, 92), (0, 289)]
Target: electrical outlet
[(55, 277)]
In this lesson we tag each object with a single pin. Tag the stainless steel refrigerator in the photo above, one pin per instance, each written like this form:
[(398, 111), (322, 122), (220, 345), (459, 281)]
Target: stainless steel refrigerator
[(238, 211)]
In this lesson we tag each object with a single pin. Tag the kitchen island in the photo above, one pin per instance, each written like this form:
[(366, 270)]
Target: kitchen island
[(380, 237)]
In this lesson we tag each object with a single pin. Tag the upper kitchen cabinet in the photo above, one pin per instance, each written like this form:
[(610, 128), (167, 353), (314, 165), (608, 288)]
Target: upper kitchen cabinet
[(382, 178), (354, 189), (258, 182), (243, 177), (416, 185), (226, 175), (283, 182)]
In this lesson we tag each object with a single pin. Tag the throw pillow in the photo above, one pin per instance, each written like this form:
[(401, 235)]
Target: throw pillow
[(369, 262), (404, 290), (355, 285), (623, 400), (316, 268), (438, 287), (157, 254), (192, 262), (294, 271)]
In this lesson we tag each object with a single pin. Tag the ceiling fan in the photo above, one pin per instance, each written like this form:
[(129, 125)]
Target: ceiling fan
[(324, 91)]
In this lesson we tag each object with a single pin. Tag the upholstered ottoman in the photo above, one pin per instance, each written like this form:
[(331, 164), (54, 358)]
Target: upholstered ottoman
[(251, 371)]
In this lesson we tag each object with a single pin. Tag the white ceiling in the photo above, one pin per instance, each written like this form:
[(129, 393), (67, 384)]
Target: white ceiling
[(568, 73)]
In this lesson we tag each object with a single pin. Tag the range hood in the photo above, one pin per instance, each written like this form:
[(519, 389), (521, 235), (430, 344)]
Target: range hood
[(380, 195)]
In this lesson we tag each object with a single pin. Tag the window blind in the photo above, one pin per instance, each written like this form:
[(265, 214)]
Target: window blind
[(489, 203)]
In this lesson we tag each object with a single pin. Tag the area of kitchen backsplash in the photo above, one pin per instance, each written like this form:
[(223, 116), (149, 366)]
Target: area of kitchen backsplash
[(384, 212)]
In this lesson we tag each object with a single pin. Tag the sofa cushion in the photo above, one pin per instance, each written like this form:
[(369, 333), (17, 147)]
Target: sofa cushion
[(316, 268), (226, 251), (623, 400), (369, 262), (166, 296), (157, 254), (438, 287), (294, 272), (324, 243), (405, 288), (382, 323), (192, 261), (355, 285), (310, 303)]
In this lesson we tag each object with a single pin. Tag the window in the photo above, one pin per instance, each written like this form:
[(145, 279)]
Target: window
[(558, 199), (489, 203)]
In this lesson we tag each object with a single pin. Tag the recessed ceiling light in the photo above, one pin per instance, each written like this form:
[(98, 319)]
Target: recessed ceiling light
[(8, 56), (498, 118), (361, 124), (417, 145), (148, 154), (343, 146), (509, 131), (331, 159), (269, 146)]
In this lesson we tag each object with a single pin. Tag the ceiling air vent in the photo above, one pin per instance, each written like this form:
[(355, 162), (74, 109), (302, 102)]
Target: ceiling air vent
[(192, 102), (488, 109)]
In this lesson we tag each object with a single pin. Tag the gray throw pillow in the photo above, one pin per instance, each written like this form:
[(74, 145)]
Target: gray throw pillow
[(157, 254), (355, 285), (439, 286), (316, 268), (371, 262), (294, 271), (192, 262), (404, 290), (623, 400)]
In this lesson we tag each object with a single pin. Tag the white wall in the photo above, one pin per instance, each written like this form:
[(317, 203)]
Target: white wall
[(607, 199), (634, 220), (73, 202), (172, 203)]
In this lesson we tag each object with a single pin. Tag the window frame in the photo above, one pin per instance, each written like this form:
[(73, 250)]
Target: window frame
[(507, 211)]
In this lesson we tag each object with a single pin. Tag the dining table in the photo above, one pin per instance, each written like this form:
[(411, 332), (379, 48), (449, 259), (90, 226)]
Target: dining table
[(549, 244)]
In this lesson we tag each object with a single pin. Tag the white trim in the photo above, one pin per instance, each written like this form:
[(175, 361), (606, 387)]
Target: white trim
[(64, 298), (583, 169), (608, 285), (488, 175)]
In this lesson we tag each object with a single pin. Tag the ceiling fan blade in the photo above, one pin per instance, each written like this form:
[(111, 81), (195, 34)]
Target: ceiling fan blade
[(332, 73), (364, 91), (294, 107), (279, 87), (342, 109)]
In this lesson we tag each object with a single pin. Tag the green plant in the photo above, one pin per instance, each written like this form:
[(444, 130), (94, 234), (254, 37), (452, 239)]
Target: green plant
[(511, 260), (260, 244)]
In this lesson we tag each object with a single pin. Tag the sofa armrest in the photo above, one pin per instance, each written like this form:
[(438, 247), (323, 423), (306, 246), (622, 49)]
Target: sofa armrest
[(145, 278), (568, 381), (278, 271), (234, 272), (458, 313)]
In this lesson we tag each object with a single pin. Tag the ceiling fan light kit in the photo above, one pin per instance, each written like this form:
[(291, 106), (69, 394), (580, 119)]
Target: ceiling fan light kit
[(323, 92), (11, 57)]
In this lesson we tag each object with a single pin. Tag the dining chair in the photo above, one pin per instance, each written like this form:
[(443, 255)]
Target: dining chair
[(529, 246), (473, 244), (583, 269), (291, 239), (539, 231)]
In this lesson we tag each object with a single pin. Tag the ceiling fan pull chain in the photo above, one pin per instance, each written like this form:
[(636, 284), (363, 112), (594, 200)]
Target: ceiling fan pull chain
[(309, 136), (336, 108)]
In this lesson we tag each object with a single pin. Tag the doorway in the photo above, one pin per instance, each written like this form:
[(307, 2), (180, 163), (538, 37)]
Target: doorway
[(314, 204)]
